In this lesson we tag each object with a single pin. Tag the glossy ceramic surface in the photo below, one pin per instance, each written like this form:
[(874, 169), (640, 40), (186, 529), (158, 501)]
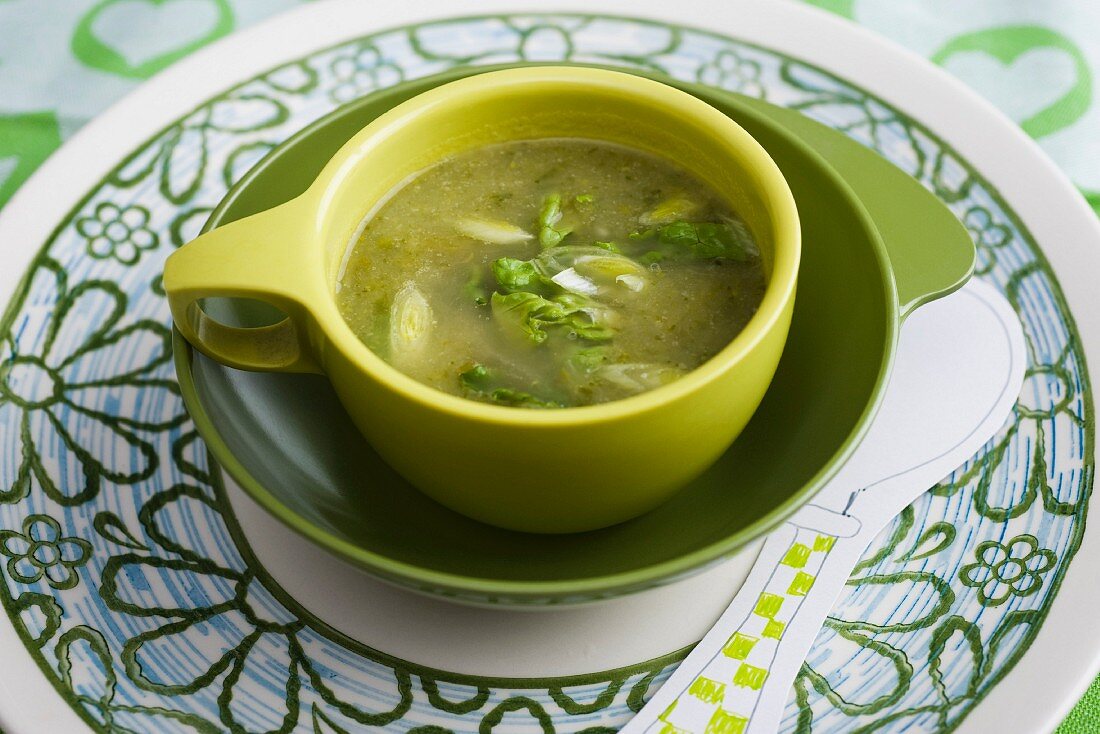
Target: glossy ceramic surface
[(539, 471), (825, 391)]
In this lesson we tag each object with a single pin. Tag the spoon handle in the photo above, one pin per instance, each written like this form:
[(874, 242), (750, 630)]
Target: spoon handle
[(738, 678)]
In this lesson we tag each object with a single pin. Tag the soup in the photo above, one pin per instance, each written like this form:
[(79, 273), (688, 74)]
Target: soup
[(551, 273)]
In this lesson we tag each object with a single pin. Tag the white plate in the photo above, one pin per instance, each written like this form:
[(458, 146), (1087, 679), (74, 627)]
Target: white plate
[(892, 659)]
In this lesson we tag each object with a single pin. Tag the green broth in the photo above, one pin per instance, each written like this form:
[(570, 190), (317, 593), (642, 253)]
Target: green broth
[(551, 273)]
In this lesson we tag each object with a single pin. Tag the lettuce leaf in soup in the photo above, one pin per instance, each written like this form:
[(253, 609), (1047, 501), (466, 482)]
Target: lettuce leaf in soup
[(531, 315), (520, 275), (478, 381), (551, 230), (728, 240)]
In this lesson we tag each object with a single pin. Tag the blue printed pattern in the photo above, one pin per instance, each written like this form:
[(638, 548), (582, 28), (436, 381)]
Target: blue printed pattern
[(167, 624)]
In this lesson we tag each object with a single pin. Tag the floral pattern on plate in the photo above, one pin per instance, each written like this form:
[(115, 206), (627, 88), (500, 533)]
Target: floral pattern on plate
[(145, 606)]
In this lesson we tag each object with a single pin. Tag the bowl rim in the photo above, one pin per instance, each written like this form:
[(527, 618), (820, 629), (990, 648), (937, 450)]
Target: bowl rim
[(768, 181), (503, 591)]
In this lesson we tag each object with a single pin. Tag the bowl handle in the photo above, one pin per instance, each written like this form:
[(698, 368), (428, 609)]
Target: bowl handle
[(265, 257), (931, 253)]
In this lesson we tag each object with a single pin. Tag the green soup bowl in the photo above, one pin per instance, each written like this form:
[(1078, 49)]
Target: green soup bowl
[(876, 246), (544, 471)]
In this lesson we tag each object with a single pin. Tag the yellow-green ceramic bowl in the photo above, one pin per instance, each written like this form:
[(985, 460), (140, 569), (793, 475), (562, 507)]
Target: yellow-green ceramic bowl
[(549, 471)]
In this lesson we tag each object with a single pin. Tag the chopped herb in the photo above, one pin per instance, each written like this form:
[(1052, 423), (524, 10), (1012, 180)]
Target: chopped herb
[(609, 246), (532, 315), (528, 311), (588, 271), (519, 275), (520, 399), (704, 240), (583, 199), (475, 378), (477, 381), (709, 239), (588, 319), (551, 231)]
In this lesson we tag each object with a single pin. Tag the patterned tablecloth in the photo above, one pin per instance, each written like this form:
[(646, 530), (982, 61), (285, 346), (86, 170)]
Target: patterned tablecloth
[(1036, 61)]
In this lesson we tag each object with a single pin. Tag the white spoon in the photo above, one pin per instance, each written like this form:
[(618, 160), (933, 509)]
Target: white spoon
[(959, 369)]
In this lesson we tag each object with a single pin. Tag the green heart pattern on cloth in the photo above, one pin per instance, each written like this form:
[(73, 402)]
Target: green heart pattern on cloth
[(1036, 61), (1007, 52), (104, 38), (25, 141)]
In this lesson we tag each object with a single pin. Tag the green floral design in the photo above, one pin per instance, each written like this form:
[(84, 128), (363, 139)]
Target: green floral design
[(934, 662), (121, 233), (83, 652), (282, 644), (1014, 568), (33, 604), (40, 551), (1034, 421), (731, 70), (988, 235), (46, 386), (955, 644), (544, 38), (359, 70), (181, 621), (859, 115), (179, 178)]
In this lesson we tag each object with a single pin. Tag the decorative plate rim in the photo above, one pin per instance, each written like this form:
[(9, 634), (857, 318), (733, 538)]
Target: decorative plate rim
[(24, 198)]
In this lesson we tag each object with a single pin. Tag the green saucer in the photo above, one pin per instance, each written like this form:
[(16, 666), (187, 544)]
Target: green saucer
[(286, 440)]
